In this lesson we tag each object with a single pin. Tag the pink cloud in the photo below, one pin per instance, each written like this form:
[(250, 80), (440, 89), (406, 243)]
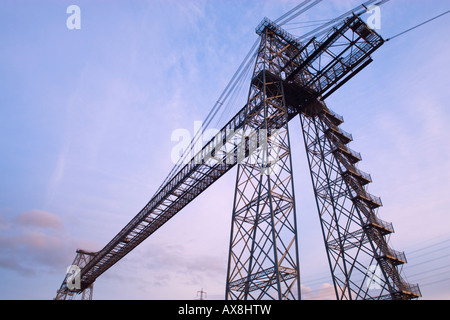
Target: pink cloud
[(4, 225), (35, 241), (39, 218)]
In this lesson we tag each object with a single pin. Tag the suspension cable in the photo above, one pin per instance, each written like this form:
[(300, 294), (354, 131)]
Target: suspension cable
[(278, 21), (299, 12), (417, 26), (359, 10)]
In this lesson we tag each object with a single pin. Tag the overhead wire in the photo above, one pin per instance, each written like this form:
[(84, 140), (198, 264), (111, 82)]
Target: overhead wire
[(434, 282), (320, 278), (429, 275), (323, 29), (303, 26), (417, 26), (429, 252), (309, 21), (290, 12), (429, 246), (238, 98), (294, 14)]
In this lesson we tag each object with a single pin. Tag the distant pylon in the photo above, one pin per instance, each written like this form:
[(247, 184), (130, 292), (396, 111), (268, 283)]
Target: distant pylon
[(202, 294)]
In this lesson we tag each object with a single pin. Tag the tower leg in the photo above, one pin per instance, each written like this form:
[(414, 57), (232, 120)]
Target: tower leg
[(263, 257), (362, 264)]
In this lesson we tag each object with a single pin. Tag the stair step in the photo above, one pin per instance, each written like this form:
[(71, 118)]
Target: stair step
[(350, 154), (383, 226), (344, 136), (362, 177), (396, 257), (333, 117), (371, 200), (409, 291)]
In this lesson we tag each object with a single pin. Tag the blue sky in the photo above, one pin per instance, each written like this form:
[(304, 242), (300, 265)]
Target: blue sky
[(86, 118)]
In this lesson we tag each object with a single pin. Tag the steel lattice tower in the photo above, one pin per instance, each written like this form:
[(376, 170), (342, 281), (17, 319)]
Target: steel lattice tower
[(263, 260), (291, 77)]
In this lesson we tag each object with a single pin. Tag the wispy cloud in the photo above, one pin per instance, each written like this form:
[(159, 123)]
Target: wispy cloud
[(36, 241), (324, 292), (57, 175), (40, 219)]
